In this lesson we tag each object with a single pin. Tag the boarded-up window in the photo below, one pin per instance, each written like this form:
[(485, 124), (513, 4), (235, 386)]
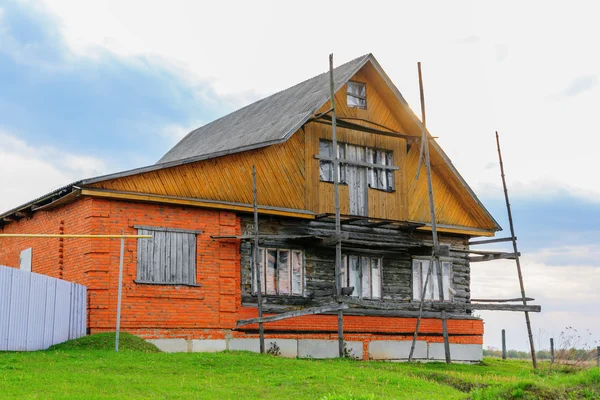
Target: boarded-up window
[(356, 94), (326, 167), (25, 260), (380, 178), (420, 270), (378, 163), (168, 258), (364, 274), (282, 272)]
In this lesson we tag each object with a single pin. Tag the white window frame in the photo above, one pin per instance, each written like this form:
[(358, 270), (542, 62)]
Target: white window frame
[(375, 282), (353, 99), (420, 266), (268, 275)]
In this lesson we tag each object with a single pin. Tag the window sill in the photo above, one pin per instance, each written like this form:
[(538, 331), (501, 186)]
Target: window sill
[(167, 283), (341, 183), (279, 296), (383, 190)]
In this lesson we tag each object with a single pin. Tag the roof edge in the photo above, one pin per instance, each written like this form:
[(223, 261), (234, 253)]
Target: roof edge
[(436, 146)]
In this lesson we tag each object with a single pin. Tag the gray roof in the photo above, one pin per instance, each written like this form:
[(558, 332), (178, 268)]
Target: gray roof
[(268, 121)]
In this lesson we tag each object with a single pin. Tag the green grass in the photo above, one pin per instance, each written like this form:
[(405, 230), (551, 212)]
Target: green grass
[(90, 369)]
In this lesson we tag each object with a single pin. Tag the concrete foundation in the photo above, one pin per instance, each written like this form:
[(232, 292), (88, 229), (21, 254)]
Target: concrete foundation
[(170, 345), (393, 350), (458, 352), (396, 349), (209, 346)]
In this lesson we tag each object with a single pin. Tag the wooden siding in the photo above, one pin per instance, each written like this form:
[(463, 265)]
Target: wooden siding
[(280, 177), (454, 205), (319, 196)]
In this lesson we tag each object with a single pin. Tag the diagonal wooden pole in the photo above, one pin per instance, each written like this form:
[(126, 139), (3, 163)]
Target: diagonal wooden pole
[(257, 269), (516, 251), (434, 254), (336, 195)]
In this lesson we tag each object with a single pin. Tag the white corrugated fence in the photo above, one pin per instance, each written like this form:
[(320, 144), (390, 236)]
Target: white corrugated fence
[(37, 311)]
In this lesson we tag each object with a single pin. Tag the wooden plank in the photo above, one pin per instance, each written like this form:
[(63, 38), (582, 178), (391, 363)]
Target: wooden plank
[(489, 241), (500, 300), (358, 163), (185, 250), (496, 256), (435, 306), (192, 270), (180, 258), (292, 314)]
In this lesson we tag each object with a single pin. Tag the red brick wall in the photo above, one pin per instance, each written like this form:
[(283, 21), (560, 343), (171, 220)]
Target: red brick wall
[(154, 308), (59, 258), (153, 311)]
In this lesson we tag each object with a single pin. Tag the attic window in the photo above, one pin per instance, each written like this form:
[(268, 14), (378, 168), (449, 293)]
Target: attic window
[(356, 94)]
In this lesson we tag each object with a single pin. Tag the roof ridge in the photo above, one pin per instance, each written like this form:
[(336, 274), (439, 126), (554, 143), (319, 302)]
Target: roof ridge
[(255, 103)]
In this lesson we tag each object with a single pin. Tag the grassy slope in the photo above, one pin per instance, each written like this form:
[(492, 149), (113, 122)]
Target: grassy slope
[(90, 369)]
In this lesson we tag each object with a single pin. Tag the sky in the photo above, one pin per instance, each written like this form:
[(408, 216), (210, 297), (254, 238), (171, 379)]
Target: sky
[(88, 88)]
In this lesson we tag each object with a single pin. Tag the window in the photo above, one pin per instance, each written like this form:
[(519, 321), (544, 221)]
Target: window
[(364, 274), (168, 258), (356, 94), (25, 260), (378, 178), (282, 272), (420, 269), (326, 167)]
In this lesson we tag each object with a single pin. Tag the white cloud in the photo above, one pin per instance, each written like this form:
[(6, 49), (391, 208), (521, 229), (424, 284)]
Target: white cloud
[(507, 74), (27, 172), (565, 292)]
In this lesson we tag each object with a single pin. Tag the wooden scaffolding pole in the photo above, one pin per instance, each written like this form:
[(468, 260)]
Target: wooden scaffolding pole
[(257, 269), (435, 259), (336, 196), (515, 249)]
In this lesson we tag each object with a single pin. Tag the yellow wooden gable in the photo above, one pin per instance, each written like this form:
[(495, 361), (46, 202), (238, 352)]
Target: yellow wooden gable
[(288, 173)]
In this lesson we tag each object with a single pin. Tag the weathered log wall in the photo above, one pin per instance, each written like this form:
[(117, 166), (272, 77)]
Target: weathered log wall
[(395, 247)]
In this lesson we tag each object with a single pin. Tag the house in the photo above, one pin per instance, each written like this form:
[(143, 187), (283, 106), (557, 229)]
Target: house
[(186, 288)]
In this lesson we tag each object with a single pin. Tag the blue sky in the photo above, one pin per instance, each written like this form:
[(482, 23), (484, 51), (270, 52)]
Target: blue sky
[(88, 88), (114, 108)]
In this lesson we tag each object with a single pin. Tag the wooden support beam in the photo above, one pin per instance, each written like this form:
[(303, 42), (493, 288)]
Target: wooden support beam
[(23, 213), (9, 219), (357, 163), (327, 120), (489, 241), (334, 239), (351, 220), (267, 237), (495, 256), (500, 300), (436, 305), (479, 252), (292, 314)]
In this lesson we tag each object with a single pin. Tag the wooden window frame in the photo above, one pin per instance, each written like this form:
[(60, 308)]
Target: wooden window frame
[(262, 266), (346, 274), (369, 165), (451, 291), (348, 94)]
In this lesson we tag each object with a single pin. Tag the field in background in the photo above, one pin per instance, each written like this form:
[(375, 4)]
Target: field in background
[(88, 368)]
